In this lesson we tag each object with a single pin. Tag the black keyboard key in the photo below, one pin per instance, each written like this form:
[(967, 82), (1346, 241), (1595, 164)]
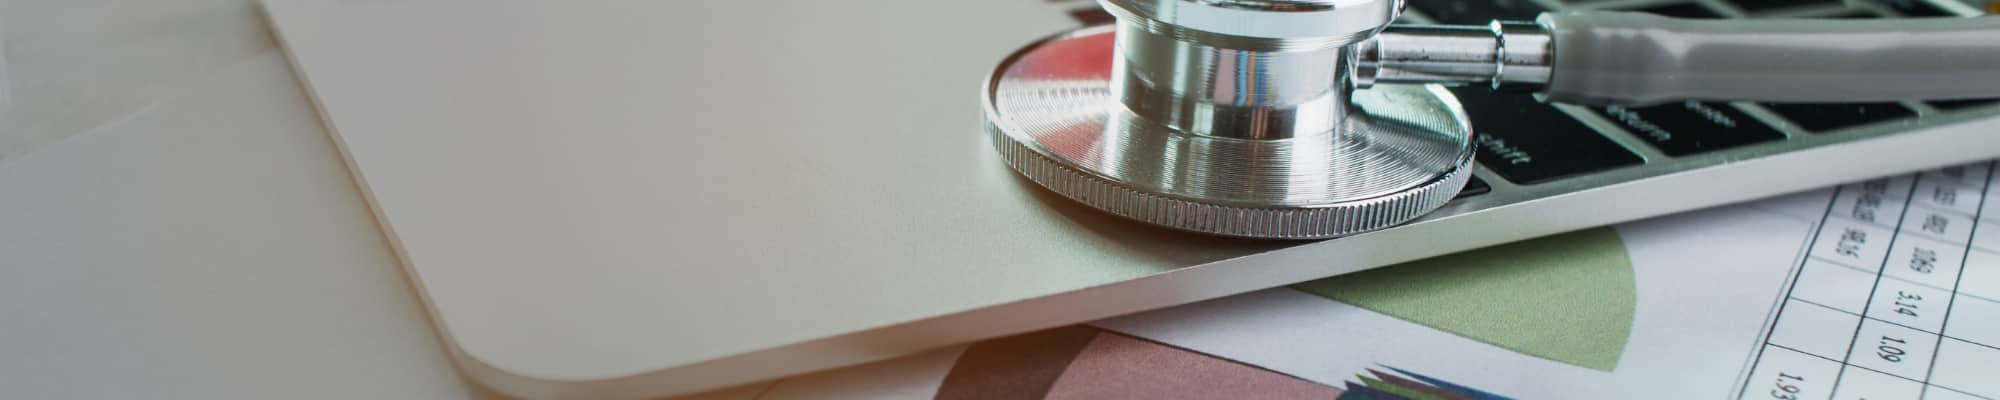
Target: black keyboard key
[(1476, 12), (1851, 13), (1690, 127), (1474, 187), (1531, 142), (1756, 6), (1826, 117), (1914, 8), (1683, 10), (1962, 104)]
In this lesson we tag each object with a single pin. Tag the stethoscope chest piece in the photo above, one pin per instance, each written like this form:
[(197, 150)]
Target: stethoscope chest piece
[(1263, 143)]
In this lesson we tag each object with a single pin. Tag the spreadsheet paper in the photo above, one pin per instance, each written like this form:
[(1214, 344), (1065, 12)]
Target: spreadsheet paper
[(1898, 296)]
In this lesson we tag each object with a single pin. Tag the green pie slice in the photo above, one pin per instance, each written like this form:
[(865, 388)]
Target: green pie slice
[(1567, 297)]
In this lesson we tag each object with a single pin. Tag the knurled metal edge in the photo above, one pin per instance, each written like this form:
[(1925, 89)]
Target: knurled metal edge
[(1314, 222)]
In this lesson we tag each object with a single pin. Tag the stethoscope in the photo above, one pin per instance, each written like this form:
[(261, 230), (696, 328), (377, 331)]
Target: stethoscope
[(1298, 119)]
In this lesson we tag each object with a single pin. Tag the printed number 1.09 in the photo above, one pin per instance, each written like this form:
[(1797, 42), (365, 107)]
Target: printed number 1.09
[(1890, 352)]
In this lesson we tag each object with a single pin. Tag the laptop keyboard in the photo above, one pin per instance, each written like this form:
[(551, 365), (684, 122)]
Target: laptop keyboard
[(1474, 187), (1818, 118), (1682, 10), (1527, 142), (1554, 147), (1962, 104), (1690, 127), (1476, 12), (1773, 5)]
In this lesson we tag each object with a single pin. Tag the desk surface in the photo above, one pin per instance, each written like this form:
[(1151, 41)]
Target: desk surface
[(177, 224)]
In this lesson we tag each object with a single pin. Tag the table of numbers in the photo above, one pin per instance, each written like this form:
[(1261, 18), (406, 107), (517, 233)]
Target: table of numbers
[(1897, 297)]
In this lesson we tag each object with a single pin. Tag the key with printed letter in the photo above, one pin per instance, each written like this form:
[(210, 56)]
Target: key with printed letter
[(1530, 142)]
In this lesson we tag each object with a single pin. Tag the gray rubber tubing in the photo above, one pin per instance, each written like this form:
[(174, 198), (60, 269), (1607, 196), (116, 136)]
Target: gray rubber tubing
[(1637, 58)]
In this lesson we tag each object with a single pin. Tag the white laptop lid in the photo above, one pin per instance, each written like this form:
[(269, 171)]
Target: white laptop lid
[(638, 198)]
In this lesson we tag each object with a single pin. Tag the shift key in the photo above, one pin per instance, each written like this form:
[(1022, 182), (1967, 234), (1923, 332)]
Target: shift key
[(1530, 142)]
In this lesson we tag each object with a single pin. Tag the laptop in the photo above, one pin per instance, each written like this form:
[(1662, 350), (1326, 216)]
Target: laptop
[(629, 199)]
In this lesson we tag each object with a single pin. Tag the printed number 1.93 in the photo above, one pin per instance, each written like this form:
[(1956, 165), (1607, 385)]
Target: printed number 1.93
[(1787, 387)]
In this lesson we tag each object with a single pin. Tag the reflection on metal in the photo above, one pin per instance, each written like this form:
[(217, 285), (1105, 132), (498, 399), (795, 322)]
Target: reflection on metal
[(1270, 142)]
